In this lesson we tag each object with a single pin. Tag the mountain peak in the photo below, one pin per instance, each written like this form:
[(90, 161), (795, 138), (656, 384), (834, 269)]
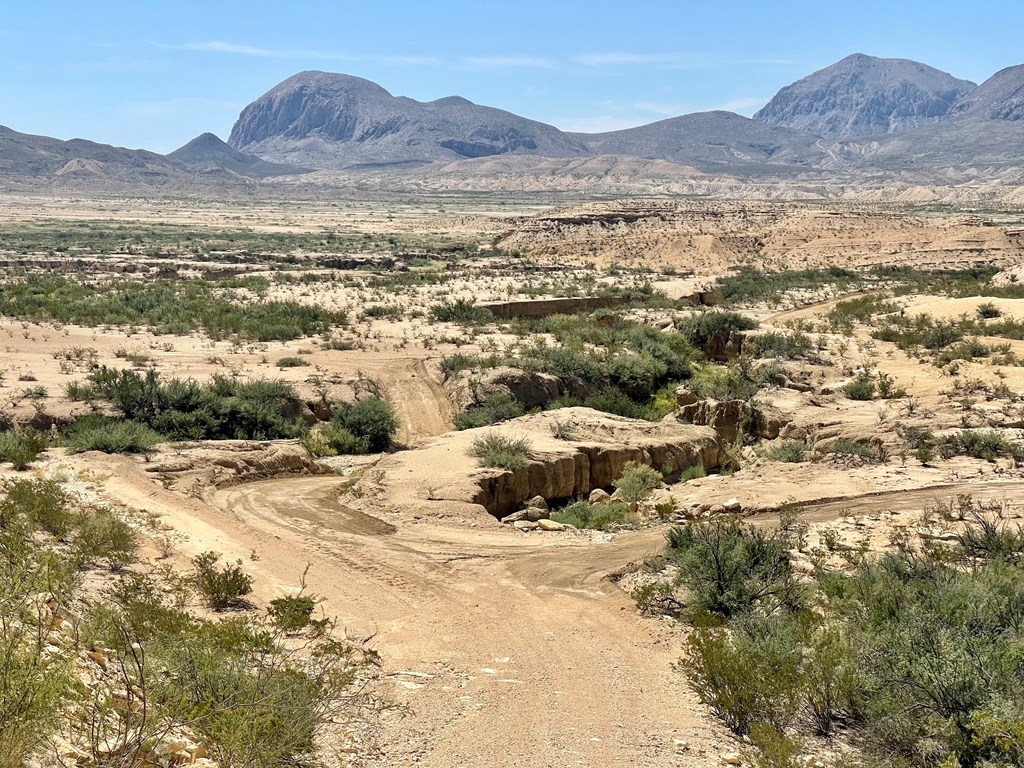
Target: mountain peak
[(336, 120), (863, 95)]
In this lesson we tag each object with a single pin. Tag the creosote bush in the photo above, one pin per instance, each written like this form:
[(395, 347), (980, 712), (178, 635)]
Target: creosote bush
[(21, 448), (221, 587), (372, 420), (501, 451), (582, 514), (637, 481)]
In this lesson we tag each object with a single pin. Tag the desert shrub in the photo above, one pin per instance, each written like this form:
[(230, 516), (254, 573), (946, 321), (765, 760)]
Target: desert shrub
[(719, 382), (987, 311), (702, 327), (748, 674), (44, 504), (795, 345), (332, 439), (750, 284), (224, 587), (637, 481), (582, 514), (102, 535), (914, 648), (383, 310), (791, 451), (692, 473), (291, 361), (22, 448), (225, 409), (166, 306), (491, 410), (728, 569), (979, 444), (501, 451), (292, 612), (373, 420), (461, 311), (98, 433), (861, 388)]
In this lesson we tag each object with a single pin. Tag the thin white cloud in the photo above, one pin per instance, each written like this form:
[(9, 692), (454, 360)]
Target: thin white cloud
[(219, 46), (511, 61)]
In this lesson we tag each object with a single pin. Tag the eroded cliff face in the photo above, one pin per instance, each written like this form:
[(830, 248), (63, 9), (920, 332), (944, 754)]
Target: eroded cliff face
[(440, 479)]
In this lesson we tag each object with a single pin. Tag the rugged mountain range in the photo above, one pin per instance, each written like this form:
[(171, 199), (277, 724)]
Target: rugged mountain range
[(862, 118), (330, 120), (865, 96)]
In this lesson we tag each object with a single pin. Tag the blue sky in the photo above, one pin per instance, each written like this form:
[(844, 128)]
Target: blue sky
[(156, 74)]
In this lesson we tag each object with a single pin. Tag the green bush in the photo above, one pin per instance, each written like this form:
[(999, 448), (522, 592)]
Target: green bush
[(102, 535), (795, 345), (373, 420), (791, 451), (915, 649), (461, 311), (98, 433), (292, 612), (637, 482), (43, 504), (729, 570), (493, 409), (225, 409), (979, 444), (500, 451), (748, 674), (22, 448), (702, 327), (582, 514), (224, 587), (291, 361), (987, 311), (166, 306), (692, 473), (861, 388)]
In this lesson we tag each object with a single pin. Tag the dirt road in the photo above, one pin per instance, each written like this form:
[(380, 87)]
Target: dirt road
[(509, 649)]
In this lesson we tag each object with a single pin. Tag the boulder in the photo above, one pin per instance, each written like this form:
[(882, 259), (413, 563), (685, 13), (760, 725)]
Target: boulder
[(550, 525), (525, 525), (731, 506), (537, 502), (599, 496)]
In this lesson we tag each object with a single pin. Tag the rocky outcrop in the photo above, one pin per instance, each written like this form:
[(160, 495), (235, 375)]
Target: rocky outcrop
[(586, 466), (531, 389), (731, 418), (440, 478), (865, 96), (201, 467)]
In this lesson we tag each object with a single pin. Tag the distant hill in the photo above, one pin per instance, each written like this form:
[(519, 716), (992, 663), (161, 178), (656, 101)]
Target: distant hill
[(710, 141), (1001, 97), (23, 154), (865, 96), (208, 154), (330, 120)]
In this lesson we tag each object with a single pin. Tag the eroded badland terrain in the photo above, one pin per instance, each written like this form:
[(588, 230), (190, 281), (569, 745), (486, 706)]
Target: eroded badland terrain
[(466, 426)]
